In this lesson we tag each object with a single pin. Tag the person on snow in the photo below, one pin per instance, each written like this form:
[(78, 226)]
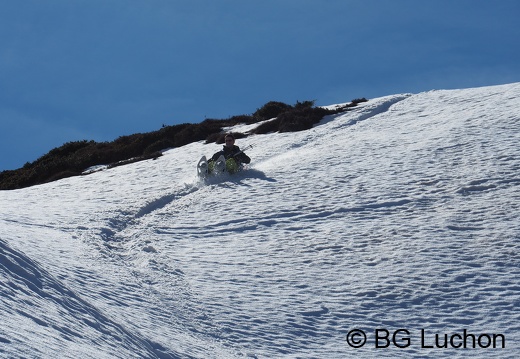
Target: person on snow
[(231, 151)]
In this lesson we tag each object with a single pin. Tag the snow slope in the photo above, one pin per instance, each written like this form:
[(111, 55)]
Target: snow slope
[(399, 214)]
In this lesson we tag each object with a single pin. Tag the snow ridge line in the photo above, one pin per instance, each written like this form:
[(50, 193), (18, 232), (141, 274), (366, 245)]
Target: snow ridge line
[(378, 109), (367, 110), (354, 116), (126, 218), (163, 201)]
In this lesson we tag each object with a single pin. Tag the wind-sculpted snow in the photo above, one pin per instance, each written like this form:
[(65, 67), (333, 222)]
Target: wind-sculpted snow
[(401, 213), (38, 308)]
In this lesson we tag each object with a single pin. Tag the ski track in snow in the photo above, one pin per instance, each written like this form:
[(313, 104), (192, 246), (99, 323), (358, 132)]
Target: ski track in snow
[(400, 213)]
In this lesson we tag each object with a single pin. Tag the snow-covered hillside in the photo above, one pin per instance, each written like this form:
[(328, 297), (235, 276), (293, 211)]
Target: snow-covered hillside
[(399, 214)]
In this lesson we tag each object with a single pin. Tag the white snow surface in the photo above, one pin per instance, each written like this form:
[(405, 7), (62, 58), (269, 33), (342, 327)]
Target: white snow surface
[(402, 213)]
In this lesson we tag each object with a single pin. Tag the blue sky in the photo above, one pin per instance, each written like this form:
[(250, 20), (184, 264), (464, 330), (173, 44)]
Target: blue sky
[(99, 69)]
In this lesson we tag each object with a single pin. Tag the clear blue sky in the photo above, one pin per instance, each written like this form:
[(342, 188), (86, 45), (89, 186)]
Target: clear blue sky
[(99, 69)]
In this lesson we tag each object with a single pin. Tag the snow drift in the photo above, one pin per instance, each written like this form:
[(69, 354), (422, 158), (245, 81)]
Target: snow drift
[(399, 214)]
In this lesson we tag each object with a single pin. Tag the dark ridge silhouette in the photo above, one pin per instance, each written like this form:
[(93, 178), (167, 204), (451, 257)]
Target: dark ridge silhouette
[(73, 158)]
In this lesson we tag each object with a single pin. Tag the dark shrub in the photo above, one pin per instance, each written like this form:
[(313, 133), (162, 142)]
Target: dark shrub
[(192, 133), (359, 100), (214, 137), (301, 119), (68, 148), (270, 110), (304, 105), (267, 127), (158, 146), (235, 120), (352, 103), (61, 175), (298, 118)]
